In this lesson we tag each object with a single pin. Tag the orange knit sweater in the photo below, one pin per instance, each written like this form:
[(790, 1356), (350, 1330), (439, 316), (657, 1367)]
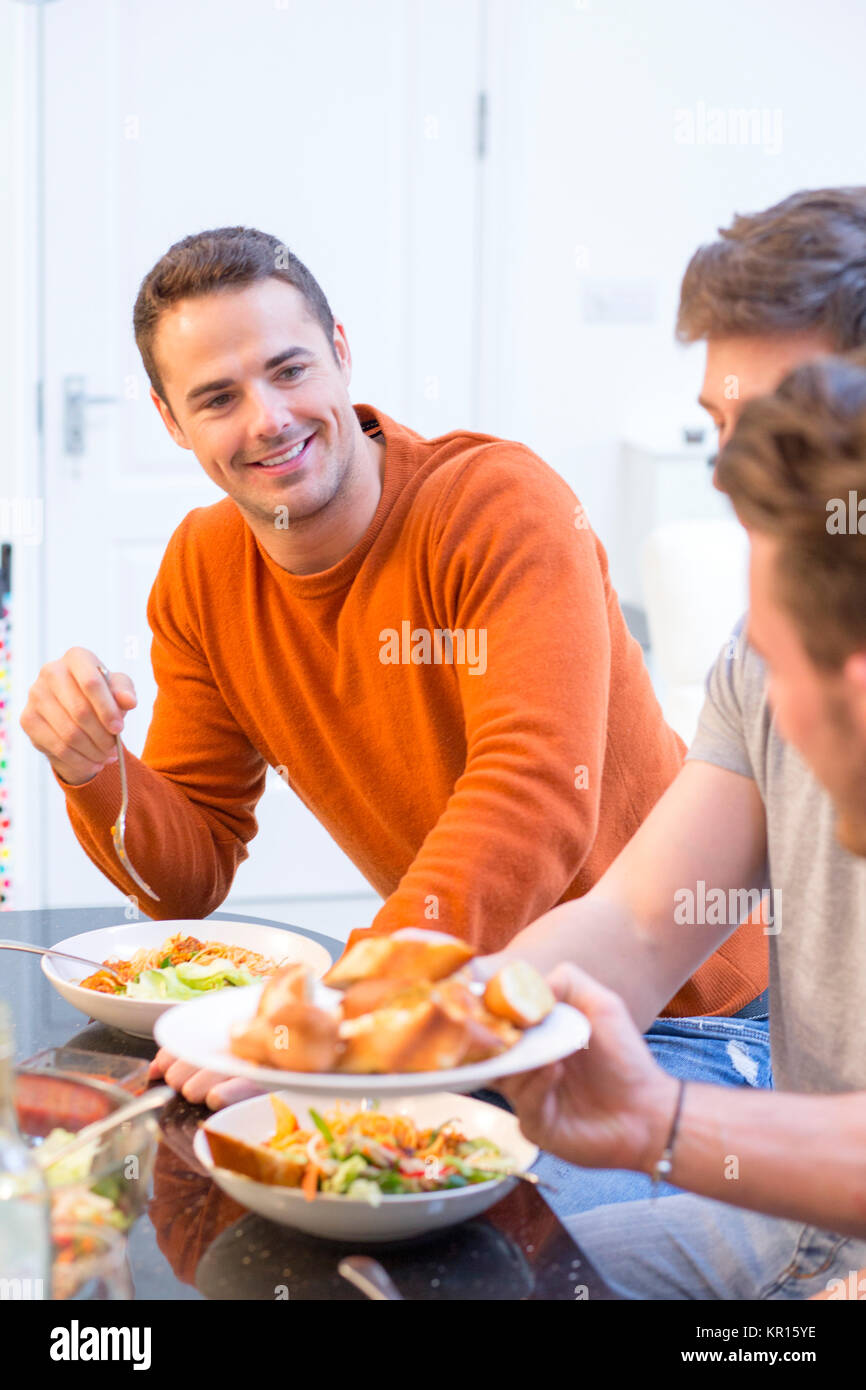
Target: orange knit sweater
[(477, 779)]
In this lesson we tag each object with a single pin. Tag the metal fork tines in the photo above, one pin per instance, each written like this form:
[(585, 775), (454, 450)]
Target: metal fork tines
[(118, 830)]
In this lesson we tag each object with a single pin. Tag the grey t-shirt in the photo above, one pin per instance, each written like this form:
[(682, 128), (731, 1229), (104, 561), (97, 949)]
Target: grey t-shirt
[(818, 955)]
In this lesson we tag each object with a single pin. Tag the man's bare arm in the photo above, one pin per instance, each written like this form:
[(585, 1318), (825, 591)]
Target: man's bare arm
[(610, 1105), (709, 825), (787, 1155)]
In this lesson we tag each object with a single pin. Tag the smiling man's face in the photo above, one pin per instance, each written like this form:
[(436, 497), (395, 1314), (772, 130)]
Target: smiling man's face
[(249, 373), (739, 368)]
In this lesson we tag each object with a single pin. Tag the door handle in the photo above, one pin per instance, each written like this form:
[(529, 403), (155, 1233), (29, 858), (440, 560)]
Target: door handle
[(75, 398)]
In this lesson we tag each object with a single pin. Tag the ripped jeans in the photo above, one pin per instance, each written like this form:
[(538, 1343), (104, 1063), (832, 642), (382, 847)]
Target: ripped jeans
[(725, 1051)]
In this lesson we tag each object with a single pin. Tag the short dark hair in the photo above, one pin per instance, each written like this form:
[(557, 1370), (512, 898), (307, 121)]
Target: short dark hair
[(221, 259), (799, 265), (792, 455)]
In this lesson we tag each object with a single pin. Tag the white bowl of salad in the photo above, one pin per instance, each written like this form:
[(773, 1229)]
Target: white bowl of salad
[(166, 963), (403, 1168)]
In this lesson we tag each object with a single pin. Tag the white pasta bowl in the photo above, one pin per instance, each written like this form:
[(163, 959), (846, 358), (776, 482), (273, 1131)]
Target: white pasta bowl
[(397, 1216), (138, 1016)]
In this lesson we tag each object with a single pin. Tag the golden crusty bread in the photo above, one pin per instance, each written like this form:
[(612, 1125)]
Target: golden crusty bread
[(254, 1160), (406, 1006), (410, 953), (520, 994), (291, 984), (288, 1031), (299, 1037), (486, 1039), (369, 995), (487, 1035), (305, 1038), (251, 1040), (457, 997), (425, 1027), (420, 1037)]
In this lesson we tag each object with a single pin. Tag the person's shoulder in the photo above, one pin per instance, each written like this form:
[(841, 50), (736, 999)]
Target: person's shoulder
[(469, 451), (206, 532), (736, 689), (739, 666), (465, 468), (469, 461)]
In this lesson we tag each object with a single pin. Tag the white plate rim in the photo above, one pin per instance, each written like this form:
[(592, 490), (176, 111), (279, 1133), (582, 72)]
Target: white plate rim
[(573, 1026)]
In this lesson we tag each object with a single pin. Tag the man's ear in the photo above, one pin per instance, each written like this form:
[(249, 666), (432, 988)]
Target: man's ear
[(341, 349), (168, 420)]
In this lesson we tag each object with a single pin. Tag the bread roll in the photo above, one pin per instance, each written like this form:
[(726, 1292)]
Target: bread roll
[(487, 1035), (411, 953), (299, 1038), (304, 1038), (254, 1160), (456, 996), (520, 994), (251, 1040), (485, 1041), (368, 995), (290, 984), (421, 1037)]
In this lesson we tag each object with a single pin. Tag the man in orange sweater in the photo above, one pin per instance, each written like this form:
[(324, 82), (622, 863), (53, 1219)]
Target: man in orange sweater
[(420, 633)]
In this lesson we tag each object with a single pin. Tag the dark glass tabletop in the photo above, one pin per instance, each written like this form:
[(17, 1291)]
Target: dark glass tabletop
[(195, 1242)]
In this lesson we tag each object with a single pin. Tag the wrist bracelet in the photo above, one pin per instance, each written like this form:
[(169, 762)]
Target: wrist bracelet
[(665, 1164)]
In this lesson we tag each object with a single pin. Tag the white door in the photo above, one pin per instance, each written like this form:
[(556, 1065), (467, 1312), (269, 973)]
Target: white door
[(348, 130)]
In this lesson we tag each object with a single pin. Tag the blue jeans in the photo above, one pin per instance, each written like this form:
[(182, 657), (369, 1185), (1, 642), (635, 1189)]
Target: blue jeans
[(693, 1247), (729, 1051)]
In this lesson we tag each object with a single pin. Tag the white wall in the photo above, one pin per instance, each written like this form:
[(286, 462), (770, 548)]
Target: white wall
[(588, 184)]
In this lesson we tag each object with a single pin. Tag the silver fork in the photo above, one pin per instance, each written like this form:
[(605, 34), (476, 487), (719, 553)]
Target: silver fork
[(118, 830), (65, 955)]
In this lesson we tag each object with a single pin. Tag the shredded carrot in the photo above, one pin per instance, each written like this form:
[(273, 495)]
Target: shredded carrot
[(405, 1133), (394, 1133)]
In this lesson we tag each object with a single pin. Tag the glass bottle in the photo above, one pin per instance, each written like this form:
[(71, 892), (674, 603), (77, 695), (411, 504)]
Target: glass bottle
[(25, 1204)]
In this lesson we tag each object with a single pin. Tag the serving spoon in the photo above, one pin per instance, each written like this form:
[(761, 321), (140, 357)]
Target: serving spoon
[(65, 955)]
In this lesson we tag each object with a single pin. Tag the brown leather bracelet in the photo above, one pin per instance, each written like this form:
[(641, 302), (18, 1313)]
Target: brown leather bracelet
[(664, 1165)]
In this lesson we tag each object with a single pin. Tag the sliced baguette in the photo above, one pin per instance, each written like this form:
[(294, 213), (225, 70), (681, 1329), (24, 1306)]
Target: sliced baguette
[(251, 1040), (291, 984), (411, 953), (424, 1027), (420, 1037), (367, 996), (520, 994), (487, 1035), (299, 1037), (254, 1160)]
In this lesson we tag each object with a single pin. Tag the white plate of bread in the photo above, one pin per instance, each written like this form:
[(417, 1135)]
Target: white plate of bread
[(396, 1015)]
